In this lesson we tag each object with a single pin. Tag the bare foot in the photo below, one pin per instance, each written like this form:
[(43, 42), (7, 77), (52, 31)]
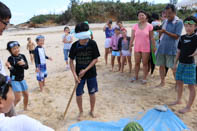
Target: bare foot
[(80, 117), (185, 110), (160, 85), (25, 109), (175, 103), (92, 114)]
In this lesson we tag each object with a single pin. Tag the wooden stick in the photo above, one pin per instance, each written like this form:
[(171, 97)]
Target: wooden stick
[(76, 84)]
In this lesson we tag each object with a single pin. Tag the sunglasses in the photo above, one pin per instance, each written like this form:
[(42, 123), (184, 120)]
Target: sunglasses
[(5, 23), (14, 44), (191, 22)]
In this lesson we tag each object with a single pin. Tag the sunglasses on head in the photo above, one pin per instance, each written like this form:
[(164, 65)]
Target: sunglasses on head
[(5, 23), (191, 22), (14, 44)]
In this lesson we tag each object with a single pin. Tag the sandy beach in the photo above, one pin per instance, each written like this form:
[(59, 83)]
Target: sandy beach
[(117, 97)]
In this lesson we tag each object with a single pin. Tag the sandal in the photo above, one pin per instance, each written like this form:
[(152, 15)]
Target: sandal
[(144, 82), (133, 79)]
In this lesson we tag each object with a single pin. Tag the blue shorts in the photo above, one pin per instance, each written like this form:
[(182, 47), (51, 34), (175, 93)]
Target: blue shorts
[(19, 86), (66, 52), (115, 53), (91, 84), (186, 73), (43, 72)]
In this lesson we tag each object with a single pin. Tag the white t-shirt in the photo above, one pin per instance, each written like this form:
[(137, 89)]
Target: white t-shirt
[(21, 123), (2, 70), (42, 55), (68, 38)]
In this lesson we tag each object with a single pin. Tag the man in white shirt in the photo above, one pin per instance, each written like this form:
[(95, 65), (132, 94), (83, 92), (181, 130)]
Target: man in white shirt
[(15, 123)]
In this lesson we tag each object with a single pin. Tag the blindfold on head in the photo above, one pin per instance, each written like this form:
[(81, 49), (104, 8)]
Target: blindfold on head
[(83, 35)]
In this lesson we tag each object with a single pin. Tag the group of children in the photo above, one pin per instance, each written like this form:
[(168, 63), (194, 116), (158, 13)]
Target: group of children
[(86, 53), (118, 44), (17, 63)]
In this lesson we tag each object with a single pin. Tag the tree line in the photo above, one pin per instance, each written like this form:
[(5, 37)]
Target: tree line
[(101, 11)]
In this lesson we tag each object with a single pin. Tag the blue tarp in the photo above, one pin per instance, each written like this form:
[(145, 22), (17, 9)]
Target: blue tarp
[(101, 126), (153, 120)]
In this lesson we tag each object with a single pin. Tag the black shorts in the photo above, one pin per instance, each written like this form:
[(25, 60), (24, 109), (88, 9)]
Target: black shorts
[(31, 52)]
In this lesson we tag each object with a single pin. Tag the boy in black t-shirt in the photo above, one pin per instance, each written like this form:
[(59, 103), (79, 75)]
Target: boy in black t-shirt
[(186, 70), (85, 52)]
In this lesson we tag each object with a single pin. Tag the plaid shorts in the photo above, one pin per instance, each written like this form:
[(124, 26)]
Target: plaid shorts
[(43, 72), (186, 73)]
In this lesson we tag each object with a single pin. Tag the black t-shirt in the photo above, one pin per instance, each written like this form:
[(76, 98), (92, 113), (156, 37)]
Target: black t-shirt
[(187, 45), (17, 71), (84, 55)]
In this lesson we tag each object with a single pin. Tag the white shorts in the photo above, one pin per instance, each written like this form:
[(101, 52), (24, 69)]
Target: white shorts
[(126, 53), (107, 42)]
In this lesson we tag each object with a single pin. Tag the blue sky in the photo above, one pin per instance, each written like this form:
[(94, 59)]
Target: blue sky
[(23, 10)]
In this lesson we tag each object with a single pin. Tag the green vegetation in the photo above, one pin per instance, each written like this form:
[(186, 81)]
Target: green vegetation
[(102, 11), (40, 19)]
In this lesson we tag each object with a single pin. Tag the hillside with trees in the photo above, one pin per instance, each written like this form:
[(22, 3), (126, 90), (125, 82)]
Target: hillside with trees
[(101, 11)]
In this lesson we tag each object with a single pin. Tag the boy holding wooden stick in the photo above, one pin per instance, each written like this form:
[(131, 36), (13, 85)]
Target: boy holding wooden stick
[(85, 52)]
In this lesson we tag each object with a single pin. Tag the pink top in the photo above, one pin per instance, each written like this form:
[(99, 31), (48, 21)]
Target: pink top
[(114, 42), (142, 38)]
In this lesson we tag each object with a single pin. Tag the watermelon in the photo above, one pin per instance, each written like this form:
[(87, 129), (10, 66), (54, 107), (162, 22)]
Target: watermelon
[(133, 126)]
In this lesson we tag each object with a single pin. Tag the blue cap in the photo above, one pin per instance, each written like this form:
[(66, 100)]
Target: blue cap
[(39, 37)]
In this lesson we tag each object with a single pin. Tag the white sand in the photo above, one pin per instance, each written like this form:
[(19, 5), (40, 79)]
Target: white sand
[(117, 97)]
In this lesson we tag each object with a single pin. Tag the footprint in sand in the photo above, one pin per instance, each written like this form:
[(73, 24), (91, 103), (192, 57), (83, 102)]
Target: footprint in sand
[(46, 101), (47, 90), (36, 89)]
